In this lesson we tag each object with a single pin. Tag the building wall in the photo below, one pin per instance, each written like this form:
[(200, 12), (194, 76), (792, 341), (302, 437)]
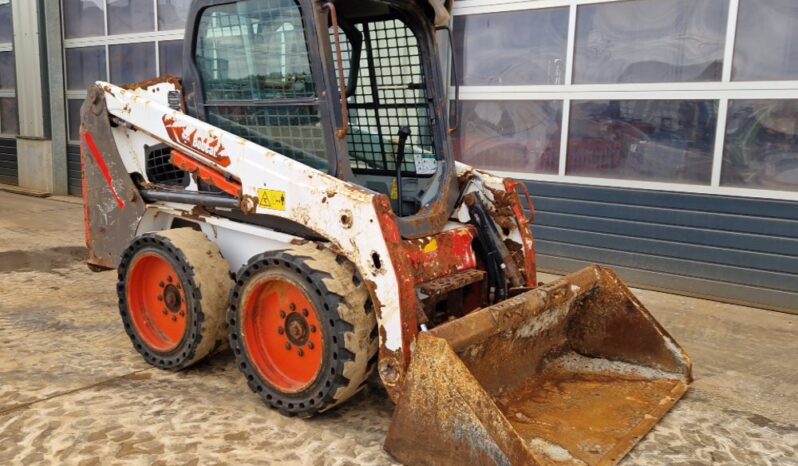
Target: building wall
[(659, 137), (739, 250)]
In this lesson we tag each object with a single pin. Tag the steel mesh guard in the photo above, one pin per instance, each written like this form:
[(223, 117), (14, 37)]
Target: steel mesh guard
[(390, 94), (160, 169)]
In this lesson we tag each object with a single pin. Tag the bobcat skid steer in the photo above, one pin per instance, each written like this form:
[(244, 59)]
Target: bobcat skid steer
[(295, 197)]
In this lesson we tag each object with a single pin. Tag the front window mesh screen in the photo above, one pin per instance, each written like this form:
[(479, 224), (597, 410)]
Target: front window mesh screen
[(253, 60), (390, 94)]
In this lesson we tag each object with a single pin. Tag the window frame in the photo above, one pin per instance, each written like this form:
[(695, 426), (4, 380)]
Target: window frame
[(9, 93), (155, 37), (723, 91)]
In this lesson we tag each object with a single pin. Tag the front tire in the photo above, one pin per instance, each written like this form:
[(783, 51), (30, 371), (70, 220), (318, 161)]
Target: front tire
[(302, 329), (173, 290)]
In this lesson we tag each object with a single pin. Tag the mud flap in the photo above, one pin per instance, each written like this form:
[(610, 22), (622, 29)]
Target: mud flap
[(572, 373)]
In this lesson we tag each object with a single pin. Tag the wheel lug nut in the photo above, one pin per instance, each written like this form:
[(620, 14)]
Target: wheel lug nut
[(160, 298), (174, 318), (311, 345), (292, 306), (282, 314), (162, 284), (312, 329), (305, 312), (169, 279), (182, 313), (165, 312), (288, 346), (300, 352), (280, 330)]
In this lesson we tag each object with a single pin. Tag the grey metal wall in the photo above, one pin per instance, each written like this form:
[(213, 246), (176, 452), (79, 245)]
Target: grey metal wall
[(73, 170), (8, 161), (738, 250)]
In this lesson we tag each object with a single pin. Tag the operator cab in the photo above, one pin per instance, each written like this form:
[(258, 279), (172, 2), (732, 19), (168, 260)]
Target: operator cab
[(268, 71)]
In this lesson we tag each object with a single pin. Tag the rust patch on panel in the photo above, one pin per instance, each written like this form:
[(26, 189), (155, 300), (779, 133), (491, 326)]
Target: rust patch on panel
[(154, 82)]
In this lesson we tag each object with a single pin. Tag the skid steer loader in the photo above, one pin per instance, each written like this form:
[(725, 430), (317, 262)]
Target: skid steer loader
[(295, 196)]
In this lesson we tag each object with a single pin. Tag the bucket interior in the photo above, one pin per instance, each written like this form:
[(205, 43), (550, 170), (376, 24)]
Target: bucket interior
[(579, 369)]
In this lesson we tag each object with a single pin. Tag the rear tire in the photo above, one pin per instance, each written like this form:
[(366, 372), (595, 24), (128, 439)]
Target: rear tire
[(302, 329), (173, 290)]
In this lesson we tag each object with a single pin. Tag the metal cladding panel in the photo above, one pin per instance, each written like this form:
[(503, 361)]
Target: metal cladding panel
[(8, 162), (73, 170), (730, 249)]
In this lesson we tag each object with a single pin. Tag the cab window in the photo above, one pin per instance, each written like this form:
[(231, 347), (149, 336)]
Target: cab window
[(254, 65)]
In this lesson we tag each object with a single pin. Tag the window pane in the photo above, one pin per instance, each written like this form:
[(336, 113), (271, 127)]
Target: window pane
[(761, 149), (6, 34), (653, 140), (83, 18), (518, 47), (171, 58), (172, 14), (84, 67), (9, 122), (646, 41), (510, 135), (256, 50), (8, 71), (73, 111), (767, 41), (127, 16), (132, 63)]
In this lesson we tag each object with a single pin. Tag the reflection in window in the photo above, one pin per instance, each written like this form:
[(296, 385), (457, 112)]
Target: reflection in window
[(512, 48), (121, 57), (255, 50), (653, 140), (8, 71), (170, 57), (84, 67), (83, 18), (9, 120), (766, 47), (510, 135), (761, 149), (129, 16), (172, 14), (645, 41), (276, 63), (6, 26), (73, 114)]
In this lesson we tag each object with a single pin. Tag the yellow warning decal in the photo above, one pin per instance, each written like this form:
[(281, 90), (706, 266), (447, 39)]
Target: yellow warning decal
[(394, 190), (271, 199), (431, 247)]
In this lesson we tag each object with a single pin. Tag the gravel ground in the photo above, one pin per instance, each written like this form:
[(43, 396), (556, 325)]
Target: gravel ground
[(73, 390)]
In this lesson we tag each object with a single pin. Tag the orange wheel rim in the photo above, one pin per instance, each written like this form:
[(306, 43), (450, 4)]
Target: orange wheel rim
[(157, 302), (282, 334)]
